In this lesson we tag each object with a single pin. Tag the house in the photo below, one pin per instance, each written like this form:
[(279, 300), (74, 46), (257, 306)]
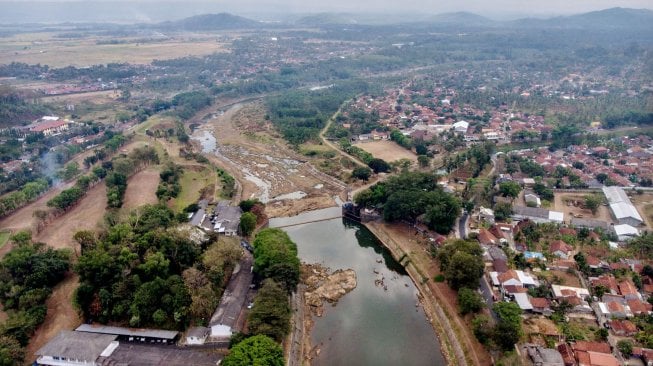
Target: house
[(197, 335), (70, 348), (614, 309), (226, 219), (486, 214), (628, 290), (537, 215), (567, 354), (574, 296), (623, 328), (517, 278), (461, 126), (607, 281), (49, 125), (486, 238), (541, 305), (589, 358), (625, 232), (639, 307), (622, 208), (560, 249), (534, 256)]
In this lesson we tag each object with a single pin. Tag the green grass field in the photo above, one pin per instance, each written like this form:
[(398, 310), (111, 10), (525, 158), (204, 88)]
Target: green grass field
[(192, 182), (4, 238)]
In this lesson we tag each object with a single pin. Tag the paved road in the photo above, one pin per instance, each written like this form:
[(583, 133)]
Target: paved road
[(462, 226), (486, 292), (295, 354)]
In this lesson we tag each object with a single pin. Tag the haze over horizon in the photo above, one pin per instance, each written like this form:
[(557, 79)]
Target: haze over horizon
[(25, 11)]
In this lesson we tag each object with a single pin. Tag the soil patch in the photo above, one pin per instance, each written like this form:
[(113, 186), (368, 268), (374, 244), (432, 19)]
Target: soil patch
[(572, 206), (61, 315), (387, 150), (141, 189), (84, 216)]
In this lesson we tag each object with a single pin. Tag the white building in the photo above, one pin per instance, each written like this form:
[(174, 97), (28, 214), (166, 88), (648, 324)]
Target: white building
[(625, 232), (622, 209), (70, 348), (461, 126)]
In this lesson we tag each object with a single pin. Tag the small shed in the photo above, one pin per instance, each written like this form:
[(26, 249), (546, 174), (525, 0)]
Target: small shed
[(197, 335)]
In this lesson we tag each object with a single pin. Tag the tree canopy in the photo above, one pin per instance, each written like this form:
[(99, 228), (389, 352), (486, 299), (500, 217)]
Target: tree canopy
[(275, 257), (461, 262), (259, 350)]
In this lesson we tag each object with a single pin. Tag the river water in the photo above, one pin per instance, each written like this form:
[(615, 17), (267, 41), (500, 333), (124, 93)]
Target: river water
[(377, 323)]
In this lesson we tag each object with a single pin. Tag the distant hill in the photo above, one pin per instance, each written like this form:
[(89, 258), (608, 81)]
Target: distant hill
[(327, 19), (614, 18), (461, 18), (208, 22)]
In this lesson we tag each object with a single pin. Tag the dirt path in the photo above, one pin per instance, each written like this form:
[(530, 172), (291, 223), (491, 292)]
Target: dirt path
[(332, 145), (458, 343), (61, 316), (84, 216), (141, 189), (23, 218)]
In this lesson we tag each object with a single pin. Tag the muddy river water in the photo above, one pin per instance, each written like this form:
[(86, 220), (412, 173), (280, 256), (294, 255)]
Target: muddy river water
[(378, 323)]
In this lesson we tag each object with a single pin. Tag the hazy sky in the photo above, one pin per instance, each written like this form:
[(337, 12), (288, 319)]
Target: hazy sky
[(153, 10)]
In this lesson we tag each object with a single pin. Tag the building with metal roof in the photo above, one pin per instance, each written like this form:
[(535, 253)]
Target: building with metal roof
[(537, 215), (622, 208), (131, 334), (70, 348)]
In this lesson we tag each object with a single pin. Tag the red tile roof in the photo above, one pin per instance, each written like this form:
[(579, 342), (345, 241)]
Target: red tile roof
[(603, 347)]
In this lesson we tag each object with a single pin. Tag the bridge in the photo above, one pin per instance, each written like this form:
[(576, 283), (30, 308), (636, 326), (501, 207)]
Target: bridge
[(302, 222)]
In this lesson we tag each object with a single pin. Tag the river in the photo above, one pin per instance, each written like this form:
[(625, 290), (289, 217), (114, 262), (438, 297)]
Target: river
[(376, 323)]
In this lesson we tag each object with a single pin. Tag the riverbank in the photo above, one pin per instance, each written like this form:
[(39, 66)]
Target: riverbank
[(459, 346)]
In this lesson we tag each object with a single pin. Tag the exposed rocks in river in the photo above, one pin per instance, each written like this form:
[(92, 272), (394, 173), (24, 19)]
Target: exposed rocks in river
[(322, 286)]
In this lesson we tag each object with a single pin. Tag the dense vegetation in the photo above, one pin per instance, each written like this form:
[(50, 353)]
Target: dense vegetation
[(412, 196), (28, 273), (138, 272), (275, 257), (169, 187), (462, 263), (258, 350), (300, 115)]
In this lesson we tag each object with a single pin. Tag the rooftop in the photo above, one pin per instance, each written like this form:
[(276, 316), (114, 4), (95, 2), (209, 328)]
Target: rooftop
[(77, 346), (130, 332), (144, 355)]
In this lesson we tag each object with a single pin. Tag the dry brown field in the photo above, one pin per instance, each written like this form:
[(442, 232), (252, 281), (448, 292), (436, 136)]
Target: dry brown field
[(578, 211), (387, 150), (141, 189), (47, 49)]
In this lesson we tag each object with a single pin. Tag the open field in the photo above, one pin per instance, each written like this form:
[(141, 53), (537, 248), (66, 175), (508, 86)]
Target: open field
[(387, 150), (578, 211), (193, 181), (141, 189), (45, 48), (561, 278), (644, 204), (86, 215)]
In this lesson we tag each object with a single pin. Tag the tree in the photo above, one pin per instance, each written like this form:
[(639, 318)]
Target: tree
[(11, 353), (481, 328), (361, 173), (271, 313), (625, 346), (508, 330), (469, 301), (509, 189), (247, 223), (86, 239), (379, 165), (502, 211), (247, 205), (275, 256), (258, 350), (601, 177), (461, 262), (593, 202), (423, 161)]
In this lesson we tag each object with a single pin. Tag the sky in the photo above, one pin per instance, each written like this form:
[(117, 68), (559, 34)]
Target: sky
[(153, 10)]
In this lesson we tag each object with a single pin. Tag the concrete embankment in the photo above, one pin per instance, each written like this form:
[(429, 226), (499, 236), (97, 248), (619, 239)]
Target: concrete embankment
[(451, 346)]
